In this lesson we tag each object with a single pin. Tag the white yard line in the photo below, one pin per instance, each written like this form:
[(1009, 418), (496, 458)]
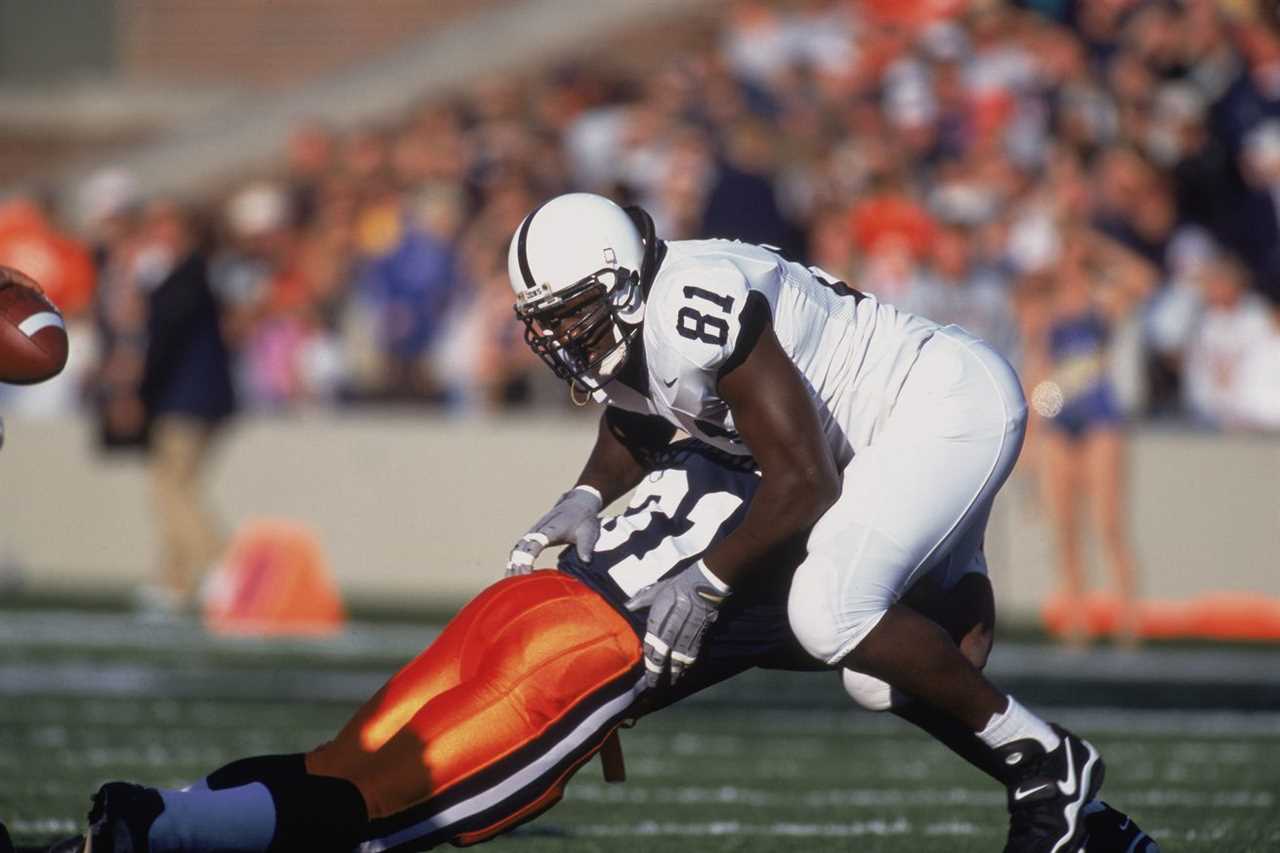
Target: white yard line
[(1094, 721), (47, 827), (144, 681), (889, 798), (853, 829), (899, 826), (64, 629)]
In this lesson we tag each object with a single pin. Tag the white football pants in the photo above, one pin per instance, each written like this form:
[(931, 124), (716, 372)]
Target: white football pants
[(916, 499)]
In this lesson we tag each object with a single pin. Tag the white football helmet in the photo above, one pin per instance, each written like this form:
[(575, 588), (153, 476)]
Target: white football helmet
[(579, 265)]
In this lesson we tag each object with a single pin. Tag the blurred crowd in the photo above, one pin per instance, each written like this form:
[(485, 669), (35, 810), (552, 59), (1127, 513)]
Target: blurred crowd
[(1091, 185)]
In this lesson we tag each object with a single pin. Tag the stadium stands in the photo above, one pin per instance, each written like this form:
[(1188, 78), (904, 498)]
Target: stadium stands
[(367, 266)]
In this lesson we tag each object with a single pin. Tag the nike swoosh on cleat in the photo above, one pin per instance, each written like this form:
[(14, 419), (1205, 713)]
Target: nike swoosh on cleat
[(1069, 785), (1020, 794), (1072, 812)]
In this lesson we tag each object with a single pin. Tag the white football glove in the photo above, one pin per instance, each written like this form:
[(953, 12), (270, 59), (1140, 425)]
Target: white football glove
[(681, 609), (574, 520)]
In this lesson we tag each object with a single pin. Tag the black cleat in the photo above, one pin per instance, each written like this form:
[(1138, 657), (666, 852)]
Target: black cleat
[(1048, 792), (1111, 831), (121, 816)]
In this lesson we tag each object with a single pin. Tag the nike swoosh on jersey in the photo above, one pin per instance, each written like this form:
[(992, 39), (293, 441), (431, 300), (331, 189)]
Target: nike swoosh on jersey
[(669, 383)]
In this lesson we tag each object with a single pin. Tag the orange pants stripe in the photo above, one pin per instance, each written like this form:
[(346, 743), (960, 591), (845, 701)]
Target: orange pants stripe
[(481, 731)]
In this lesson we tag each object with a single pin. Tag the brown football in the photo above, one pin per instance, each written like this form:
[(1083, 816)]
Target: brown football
[(33, 336)]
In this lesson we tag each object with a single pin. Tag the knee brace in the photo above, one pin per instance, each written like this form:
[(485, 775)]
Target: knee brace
[(870, 692)]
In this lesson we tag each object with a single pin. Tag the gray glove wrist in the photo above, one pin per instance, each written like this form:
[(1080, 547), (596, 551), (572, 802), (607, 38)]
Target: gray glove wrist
[(573, 520)]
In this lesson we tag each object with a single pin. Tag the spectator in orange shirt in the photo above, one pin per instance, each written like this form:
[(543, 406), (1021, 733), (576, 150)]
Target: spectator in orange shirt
[(889, 215), (894, 234)]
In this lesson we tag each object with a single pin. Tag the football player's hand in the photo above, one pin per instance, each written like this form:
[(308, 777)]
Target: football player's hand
[(681, 609), (574, 520)]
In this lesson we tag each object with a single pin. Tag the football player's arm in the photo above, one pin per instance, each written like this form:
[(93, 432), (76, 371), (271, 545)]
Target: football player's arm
[(625, 449), (776, 417), (626, 445)]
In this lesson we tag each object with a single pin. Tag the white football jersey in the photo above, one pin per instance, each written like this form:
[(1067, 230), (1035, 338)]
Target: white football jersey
[(853, 351)]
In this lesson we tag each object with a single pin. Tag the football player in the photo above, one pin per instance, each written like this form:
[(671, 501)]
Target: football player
[(881, 437), (482, 731)]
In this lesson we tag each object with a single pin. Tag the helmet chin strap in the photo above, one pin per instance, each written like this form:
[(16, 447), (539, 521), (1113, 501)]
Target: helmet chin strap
[(606, 370)]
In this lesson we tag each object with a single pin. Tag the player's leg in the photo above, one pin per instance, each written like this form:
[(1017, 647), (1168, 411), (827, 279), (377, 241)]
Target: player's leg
[(541, 685), (966, 611), (965, 608), (476, 735), (267, 803), (957, 595), (906, 500), (246, 804)]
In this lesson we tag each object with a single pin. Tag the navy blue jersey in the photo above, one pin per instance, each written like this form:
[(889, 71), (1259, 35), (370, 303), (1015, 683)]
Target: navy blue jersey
[(676, 514)]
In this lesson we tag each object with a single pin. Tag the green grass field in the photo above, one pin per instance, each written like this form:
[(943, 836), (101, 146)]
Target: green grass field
[(768, 762)]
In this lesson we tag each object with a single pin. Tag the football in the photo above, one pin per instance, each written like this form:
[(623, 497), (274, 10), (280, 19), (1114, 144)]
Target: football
[(33, 336)]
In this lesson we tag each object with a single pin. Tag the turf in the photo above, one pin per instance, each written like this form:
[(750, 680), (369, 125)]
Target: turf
[(769, 762)]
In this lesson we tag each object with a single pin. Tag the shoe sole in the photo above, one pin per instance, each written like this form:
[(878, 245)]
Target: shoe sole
[(1091, 775)]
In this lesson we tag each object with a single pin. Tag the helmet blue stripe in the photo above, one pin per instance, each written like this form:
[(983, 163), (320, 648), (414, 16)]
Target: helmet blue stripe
[(522, 256)]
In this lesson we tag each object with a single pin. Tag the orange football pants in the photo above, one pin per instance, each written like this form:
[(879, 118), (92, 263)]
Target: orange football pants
[(482, 730)]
